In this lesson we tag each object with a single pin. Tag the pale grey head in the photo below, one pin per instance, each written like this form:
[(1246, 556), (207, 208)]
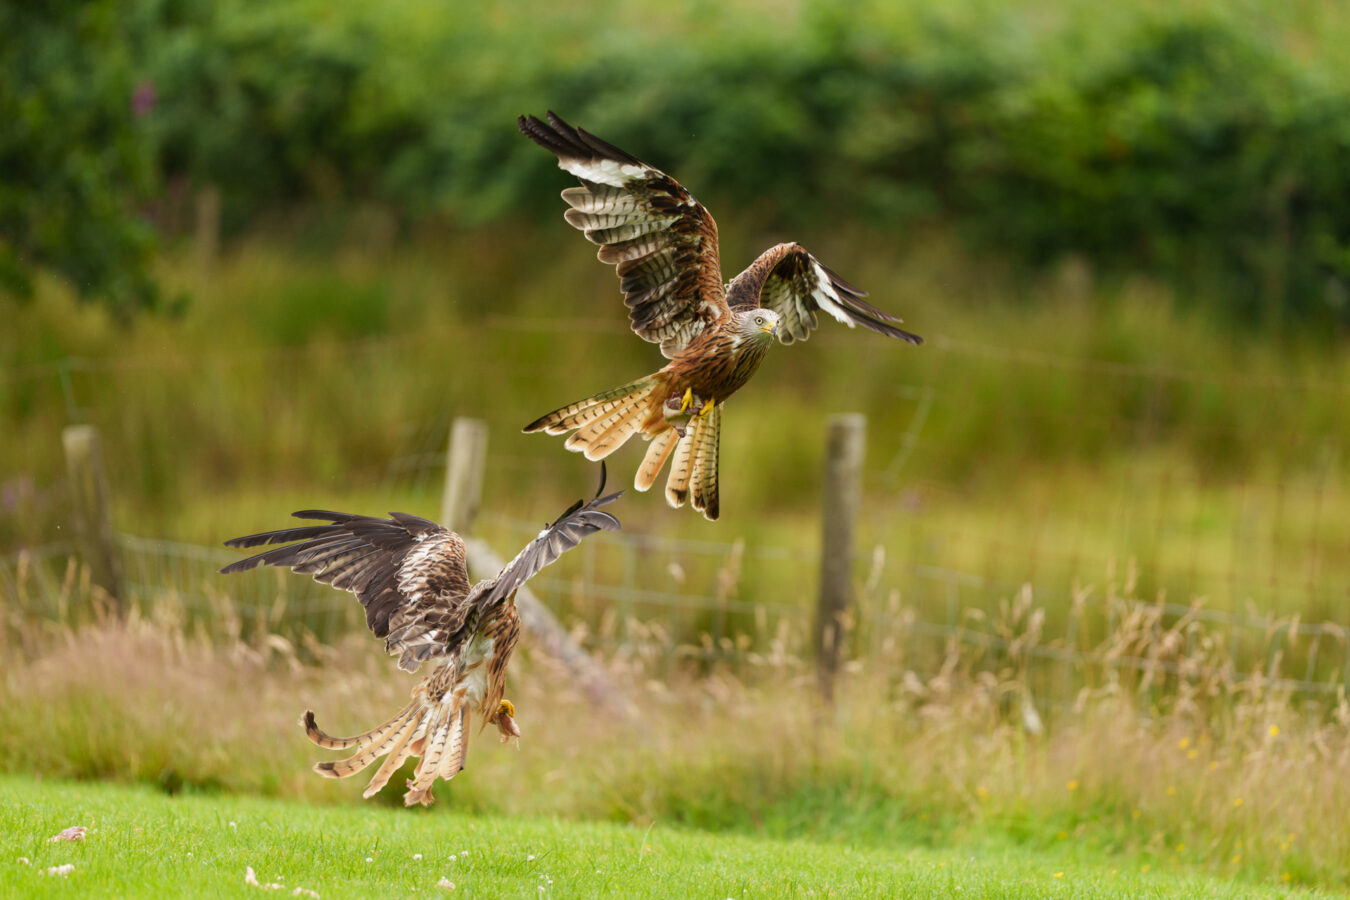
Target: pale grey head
[(757, 325)]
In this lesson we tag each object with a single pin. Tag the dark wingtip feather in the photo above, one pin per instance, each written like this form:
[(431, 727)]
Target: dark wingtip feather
[(242, 565), (568, 142), (538, 424)]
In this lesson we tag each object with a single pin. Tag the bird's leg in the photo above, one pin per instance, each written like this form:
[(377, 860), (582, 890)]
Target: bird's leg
[(506, 723), (678, 409), (707, 407)]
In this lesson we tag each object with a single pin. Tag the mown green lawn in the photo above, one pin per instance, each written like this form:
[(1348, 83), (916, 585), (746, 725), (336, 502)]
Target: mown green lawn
[(141, 843)]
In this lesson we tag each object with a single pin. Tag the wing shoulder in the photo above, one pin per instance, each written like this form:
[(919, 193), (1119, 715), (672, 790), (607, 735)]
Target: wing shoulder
[(796, 285)]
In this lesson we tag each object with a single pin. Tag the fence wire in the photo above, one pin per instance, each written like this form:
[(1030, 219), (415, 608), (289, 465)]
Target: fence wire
[(926, 582)]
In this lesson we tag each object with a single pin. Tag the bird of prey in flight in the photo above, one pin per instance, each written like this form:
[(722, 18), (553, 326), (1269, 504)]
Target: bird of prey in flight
[(664, 245), (409, 573)]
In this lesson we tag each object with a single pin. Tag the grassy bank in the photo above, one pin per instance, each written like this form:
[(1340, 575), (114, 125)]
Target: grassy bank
[(1239, 785), (154, 846)]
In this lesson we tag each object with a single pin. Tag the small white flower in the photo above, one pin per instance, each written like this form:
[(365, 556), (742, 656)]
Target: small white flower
[(250, 877), (63, 871), (234, 826), (445, 883), (453, 857), (304, 892), (529, 858), (73, 833), (23, 861), (370, 859), (417, 856)]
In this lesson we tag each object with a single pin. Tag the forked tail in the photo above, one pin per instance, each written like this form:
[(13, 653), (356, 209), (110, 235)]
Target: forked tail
[(604, 422), (693, 473), (433, 730)]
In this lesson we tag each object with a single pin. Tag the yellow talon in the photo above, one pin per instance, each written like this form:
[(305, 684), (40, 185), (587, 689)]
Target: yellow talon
[(687, 401), (707, 407), (507, 707)]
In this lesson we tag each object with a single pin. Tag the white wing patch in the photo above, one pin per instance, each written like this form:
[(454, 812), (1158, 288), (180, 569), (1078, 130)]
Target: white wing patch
[(603, 171), (825, 296)]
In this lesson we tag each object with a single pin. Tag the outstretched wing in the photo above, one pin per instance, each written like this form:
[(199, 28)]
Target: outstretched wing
[(798, 285), (408, 573), (579, 521), (662, 240)]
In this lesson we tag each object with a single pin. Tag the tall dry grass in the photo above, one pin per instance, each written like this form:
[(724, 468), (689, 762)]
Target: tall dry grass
[(1166, 754)]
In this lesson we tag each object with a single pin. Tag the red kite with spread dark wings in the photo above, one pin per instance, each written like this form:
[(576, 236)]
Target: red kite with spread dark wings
[(409, 573), (664, 245)]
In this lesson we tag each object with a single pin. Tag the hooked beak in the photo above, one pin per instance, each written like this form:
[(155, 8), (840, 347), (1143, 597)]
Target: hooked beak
[(770, 327)]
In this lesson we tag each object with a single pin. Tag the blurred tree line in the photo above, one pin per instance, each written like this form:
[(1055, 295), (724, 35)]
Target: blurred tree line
[(1184, 140)]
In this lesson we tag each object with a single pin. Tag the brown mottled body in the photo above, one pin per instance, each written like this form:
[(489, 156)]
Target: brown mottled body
[(663, 244), (409, 574)]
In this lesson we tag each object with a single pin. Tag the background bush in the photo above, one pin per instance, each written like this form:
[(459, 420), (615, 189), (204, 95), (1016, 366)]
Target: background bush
[(1200, 141), (1187, 140)]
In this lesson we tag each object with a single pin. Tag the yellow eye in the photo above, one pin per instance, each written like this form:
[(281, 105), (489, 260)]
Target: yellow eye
[(759, 320)]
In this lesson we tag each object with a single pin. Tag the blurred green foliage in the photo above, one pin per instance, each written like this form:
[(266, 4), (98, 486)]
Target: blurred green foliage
[(1200, 141), (72, 159), (1186, 139)]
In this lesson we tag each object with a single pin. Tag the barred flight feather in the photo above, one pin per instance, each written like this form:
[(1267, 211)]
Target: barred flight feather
[(596, 221), (628, 233), (600, 199)]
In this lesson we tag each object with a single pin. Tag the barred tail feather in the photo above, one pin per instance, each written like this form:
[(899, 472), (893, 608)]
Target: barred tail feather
[(328, 742), (677, 482), (457, 749), (658, 451), (704, 477), (584, 412), (447, 728), (399, 752), (601, 437), (395, 736), (435, 732)]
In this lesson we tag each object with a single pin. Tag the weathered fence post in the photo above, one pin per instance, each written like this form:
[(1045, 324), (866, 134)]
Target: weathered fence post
[(464, 463), (89, 492), (843, 494), (466, 459)]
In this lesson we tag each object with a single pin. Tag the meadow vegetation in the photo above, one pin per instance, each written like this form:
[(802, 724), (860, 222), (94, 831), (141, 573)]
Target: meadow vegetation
[(1236, 782), (1101, 503)]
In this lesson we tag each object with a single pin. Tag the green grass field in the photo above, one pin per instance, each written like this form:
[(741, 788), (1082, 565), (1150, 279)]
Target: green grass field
[(142, 843)]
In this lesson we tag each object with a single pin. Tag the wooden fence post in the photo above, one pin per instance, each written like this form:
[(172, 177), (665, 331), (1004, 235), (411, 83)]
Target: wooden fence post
[(89, 492), (843, 495), (464, 463), (466, 459)]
